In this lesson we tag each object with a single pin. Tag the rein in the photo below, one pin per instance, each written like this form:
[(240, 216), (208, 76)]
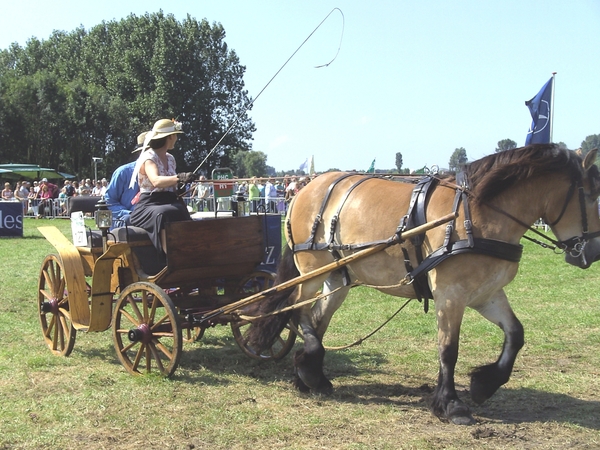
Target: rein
[(295, 306)]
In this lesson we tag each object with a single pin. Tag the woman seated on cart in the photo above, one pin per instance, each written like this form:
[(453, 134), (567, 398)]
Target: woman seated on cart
[(155, 173)]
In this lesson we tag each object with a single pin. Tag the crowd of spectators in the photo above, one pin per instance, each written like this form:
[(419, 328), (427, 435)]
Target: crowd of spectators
[(43, 198)]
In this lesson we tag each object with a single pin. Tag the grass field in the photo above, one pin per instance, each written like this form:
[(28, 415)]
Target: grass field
[(220, 399)]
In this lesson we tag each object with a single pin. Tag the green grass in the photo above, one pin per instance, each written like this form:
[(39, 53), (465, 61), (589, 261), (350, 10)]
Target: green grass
[(218, 398)]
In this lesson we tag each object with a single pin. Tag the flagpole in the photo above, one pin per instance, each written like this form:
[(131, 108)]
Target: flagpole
[(552, 106)]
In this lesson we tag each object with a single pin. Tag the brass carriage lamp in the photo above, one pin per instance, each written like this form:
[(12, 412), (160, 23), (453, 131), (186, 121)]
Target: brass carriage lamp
[(103, 220)]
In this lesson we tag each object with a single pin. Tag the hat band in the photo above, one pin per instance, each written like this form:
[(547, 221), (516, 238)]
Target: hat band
[(165, 130)]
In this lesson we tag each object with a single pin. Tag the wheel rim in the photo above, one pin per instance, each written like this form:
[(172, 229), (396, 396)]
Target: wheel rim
[(53, 308), (146, 332), (256, 282), (282, 346)]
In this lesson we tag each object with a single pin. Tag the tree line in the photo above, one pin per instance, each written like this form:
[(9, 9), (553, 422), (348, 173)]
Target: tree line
[(459, 156), (85, 94)]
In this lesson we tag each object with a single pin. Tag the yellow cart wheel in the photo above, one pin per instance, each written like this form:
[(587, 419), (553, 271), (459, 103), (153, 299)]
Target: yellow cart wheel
[(146, 332), (53, 307)]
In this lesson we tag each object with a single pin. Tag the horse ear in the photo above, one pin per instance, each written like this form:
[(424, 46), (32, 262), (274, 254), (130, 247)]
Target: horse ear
[(590, 159)]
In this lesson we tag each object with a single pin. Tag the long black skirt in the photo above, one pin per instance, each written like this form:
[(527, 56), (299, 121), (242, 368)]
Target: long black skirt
[(154, 210)]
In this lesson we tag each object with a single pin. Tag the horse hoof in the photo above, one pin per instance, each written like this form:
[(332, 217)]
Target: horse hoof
[(325, 390), (463, 420), (300, 386), (459, 414), (309, 378), (485, 381)]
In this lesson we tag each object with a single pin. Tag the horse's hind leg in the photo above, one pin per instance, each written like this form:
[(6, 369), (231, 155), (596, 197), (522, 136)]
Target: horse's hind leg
[(486, 380), (313, 322)]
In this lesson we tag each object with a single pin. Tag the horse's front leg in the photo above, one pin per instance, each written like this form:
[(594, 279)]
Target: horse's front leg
[(445, 403), (485, 380), (313, 323)]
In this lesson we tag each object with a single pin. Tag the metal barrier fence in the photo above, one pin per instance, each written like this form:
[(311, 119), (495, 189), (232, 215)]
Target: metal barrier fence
[(58, 207), (49, 208)]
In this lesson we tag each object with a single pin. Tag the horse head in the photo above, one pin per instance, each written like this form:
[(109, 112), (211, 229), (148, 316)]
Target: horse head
[(578, 231)]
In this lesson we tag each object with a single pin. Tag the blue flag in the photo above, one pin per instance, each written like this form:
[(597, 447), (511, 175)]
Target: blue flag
[(304, 166), (539, 107)]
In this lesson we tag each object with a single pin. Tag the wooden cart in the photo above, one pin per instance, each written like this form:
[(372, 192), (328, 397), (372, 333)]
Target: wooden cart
[(152, 307)]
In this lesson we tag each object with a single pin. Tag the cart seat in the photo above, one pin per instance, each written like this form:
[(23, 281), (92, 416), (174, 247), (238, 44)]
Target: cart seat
[(141, 246), (130, 234), (94, 239)]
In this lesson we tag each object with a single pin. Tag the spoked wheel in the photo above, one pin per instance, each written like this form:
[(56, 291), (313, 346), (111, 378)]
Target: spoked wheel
[(53, 307), (146, 331), (193, 334), (259, 281)]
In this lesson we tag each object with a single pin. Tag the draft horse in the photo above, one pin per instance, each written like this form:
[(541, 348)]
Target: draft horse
[(464, 264)]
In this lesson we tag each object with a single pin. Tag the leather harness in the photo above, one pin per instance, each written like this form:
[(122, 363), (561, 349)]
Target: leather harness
[(415, 216)]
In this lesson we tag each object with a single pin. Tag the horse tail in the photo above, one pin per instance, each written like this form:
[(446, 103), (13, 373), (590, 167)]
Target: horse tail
[(263, 332)]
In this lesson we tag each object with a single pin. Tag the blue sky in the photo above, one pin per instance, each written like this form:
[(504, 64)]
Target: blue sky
[(420, 77)]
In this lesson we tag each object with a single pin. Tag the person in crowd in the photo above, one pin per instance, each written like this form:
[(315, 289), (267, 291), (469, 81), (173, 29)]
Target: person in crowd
[(62, 201), (45, 196), (201, 192), (36, 187), (253, 194), (291, 190), (52, 188), (97, 190), (303, 181), (33, 202), (21, 193), (119, 195), (104, 184), (155, 172), (271, 195), (280, 186), (76, 190), (25, 185), (7, 193), (83, 190), (69, 189)]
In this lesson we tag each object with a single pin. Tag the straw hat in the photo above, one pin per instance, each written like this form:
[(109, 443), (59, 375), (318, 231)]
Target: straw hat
[(165, 127), (140, 141)]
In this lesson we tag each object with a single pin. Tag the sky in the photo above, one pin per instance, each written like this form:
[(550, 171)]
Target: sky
[(419, 77)]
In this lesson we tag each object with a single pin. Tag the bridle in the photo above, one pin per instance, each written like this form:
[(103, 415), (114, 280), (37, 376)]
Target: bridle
[(574, 245)]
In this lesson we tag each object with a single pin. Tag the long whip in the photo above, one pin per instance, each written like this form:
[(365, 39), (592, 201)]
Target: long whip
[(274, 76)]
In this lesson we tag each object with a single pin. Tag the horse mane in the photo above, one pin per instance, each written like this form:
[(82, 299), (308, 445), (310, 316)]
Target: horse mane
[(493, 174)]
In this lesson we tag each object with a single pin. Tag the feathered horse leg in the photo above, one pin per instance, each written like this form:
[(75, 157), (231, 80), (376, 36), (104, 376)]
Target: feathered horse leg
[(313, 322)]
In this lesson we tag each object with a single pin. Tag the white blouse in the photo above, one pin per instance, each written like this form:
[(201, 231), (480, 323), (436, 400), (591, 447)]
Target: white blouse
[(144, 181)]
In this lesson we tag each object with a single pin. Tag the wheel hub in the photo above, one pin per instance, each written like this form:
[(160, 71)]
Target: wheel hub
[(50, 306), (141, 333)]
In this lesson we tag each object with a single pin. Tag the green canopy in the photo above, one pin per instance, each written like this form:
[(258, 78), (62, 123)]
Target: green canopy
[(30, 172)]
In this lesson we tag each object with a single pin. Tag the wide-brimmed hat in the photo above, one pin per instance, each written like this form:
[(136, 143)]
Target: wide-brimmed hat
[(165, 127), (140, 141)]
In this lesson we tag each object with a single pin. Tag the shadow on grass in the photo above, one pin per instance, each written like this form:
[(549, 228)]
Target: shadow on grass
[(525, 405), (521, 405), (212, 360)]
